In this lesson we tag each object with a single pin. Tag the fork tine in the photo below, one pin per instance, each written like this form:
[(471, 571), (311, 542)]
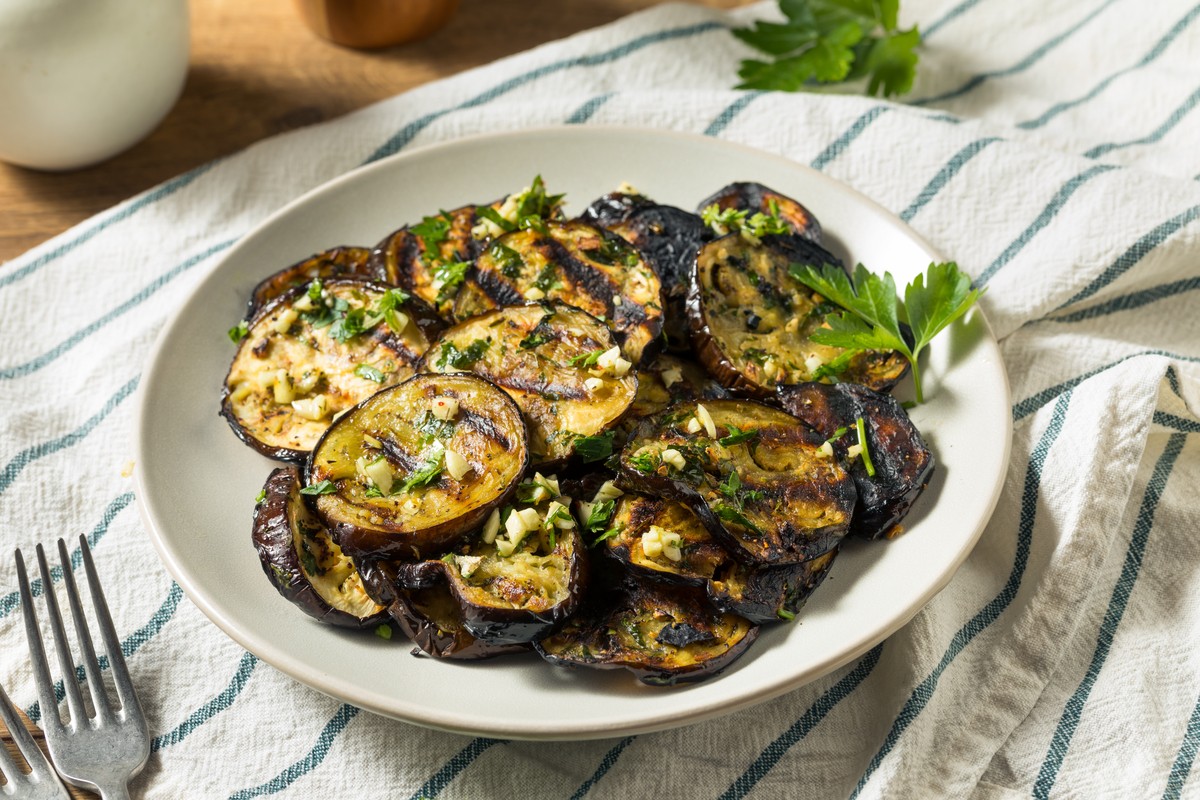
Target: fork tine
[(112, 645), (84, 638), (66, 663), (37, 652), (24, 741)]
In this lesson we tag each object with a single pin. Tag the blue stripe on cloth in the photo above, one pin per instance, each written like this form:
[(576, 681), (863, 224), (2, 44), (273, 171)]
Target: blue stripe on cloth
[(210, 709), (1128, 302), (1185, 757), (406, 134), (50, 355), (722, 120), (13, 599), (1036, 401), (588, 109), (945, 174), (923, 692), (1136, 252), (1156, 51), (129, 646), (1162, 130), (27, 456), (773, 752), (1117, 603), (1174, 421), (150, 198), (311, 760), (839, 145), (1173, 380), (441, 779), (949, 17), (606, 764), (1043, 219), (1025, 63)]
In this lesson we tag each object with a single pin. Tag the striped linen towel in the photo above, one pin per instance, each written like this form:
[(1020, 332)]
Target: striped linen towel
[(1051, 147)]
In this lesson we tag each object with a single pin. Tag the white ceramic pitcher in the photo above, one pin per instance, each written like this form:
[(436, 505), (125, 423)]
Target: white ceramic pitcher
[(82, 80)]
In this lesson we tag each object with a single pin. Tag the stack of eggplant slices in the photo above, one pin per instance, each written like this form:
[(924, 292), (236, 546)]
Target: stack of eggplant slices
[(607, 439)]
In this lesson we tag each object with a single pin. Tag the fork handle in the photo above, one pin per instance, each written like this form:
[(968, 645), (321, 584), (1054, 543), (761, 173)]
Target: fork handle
[(120, 792)]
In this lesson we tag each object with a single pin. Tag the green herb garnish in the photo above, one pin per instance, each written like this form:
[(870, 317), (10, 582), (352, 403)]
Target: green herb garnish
[(839, 433), (836, 367), (324, 487), (737, 436), (786, 615), (261, 496), (830, 41), (509, 260), (493, 216), (586, 360), (608, 534), (594, 448), (239, 332), (453, 357), (873, 312), (384, 631), (535, 339), (600, 514), (370, 373), (432, 231), (862, 443), (547, 279), (613, 251), (728, 513), (645, 462), (425, 474), (451, 274)]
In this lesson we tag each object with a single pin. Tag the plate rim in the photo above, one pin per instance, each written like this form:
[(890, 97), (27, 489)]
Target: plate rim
[(448, 720)]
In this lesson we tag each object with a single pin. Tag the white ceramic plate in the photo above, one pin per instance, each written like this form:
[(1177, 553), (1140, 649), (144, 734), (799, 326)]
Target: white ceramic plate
[(197, 482)]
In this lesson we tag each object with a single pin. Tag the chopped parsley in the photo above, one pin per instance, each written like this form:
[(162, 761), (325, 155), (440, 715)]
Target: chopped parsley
[(645, 462), (493, 216), (261, 496), (835, 367), (839, 433), (862, 442), (463, 358), (509, 260), (535, 339), (601, 512), (756, 355), (324, 487), (613, 251), (586, 360), (432, 231), (757, 225), (547, 279), (728, 513), (239, 332), (608, 534), (430, 427), (737, 436), (425, 474), (785, 614), (370, 373), (451, 274), (594, 448)]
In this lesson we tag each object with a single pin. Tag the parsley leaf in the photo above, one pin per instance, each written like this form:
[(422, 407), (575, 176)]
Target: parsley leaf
[(594, 448), (239, 332), (871, 319), (432, 231), (370, 373), (324, 487), (600, 514), (737, 436), (586, 360), (451, 274), (830, 41), (425, 473), (453, 357)]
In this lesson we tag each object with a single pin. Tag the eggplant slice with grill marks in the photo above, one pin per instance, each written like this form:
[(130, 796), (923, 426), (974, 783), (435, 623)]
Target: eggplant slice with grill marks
[(664, 634), (902, 462), (752, 322), (339, 262), (665, 541), (669, 380), (432, 617), (414, 468), (755, 476), (756, 198), (559, 364), (302, 560), (315, 352), (576, 263), (430, 258)]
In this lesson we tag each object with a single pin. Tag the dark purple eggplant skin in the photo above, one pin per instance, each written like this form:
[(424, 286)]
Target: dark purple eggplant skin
[(769, 594), (273, 539), (754, 197), (338, 262), (903, 461), (503, 624), (599, 635), (430, 617), (614, 208)]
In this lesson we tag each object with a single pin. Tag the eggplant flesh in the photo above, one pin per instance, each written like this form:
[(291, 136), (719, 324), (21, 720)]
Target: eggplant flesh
[(303, 562), (432, 618), (576, 263), (752, 322), (338, 262), (754, 197), (300, 365), (432, 267), (663, 634), (385, 472), (769, 493), (902, 461), (537, 353)]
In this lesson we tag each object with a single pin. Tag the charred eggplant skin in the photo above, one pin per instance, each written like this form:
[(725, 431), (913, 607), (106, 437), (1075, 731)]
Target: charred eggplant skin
[(614, 207), (769, 594), (902, 460), (285, 535), (754, 197), (337, 262), (757, 479), (433, 620), (663, 634)]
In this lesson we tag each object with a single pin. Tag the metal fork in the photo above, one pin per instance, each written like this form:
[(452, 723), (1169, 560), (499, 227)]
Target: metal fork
[(40, 783), (104, 751)]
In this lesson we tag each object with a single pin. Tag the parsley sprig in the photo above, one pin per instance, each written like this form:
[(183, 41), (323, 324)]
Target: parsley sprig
[(830, 41), (873, 312)]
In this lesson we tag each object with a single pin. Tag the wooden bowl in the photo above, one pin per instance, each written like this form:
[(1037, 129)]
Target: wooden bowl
[(375, 23)]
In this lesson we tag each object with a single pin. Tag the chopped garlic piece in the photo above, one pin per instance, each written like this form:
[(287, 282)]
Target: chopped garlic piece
[(401, 320), (792, 325), (444, 408), (314, 408), (627, 188), (813, 363), (617, 300), (693, 425), (282, 387), (491, 527), (372, 441), (621, 367), (380, 473), (706, 419), (305, 303), (565, 522), (529, 518), (549, 486), (456, 465), (593, 384), (514, 526), (671, 376), (826, 450), (468, 564), (607, 491), (668, 542), (585, 511), (853, 451), (674, 458), (608, 359), (284, 323), (533, 293), (651, 543)]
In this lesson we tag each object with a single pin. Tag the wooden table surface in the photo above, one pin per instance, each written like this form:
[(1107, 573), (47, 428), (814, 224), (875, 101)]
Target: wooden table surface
[(257, 71)]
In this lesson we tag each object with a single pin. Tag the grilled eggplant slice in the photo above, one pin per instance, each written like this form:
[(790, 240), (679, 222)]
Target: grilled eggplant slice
[(512, 589), (312, 353), (302, 560), (559, 364), (615, 207), (754, 197), (755, 476), (663, 634), (432, 618), (644, 538), (752, 322), (340, 262), (902, 462), (412, 469), (575, 263), (429, 259), (670, 380)]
